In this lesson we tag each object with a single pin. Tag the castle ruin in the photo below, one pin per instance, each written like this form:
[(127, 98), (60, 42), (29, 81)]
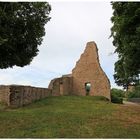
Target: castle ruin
[(86, 71), (87, 78)]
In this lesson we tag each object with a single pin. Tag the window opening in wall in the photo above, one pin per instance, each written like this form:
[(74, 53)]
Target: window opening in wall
[(87, 88)]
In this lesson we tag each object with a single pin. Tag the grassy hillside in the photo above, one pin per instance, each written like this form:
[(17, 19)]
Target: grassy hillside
[(71, 117)]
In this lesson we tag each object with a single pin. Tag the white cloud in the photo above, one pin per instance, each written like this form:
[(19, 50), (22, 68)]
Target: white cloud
[(73, 24)]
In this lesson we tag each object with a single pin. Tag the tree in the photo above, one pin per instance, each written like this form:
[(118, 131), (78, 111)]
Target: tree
[(126, 38), (21, 31)]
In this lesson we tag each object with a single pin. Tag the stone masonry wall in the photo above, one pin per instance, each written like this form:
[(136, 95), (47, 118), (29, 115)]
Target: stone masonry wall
[(4, 94), (55, 86), (88, 69), (16, 96), (66, 85), (61, 86)]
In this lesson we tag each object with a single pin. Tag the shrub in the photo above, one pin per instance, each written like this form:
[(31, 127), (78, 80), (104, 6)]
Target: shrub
[(118, 92), (117, 96), (116, 99)]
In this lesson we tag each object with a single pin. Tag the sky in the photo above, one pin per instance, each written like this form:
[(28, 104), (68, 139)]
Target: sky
[(72, 25)]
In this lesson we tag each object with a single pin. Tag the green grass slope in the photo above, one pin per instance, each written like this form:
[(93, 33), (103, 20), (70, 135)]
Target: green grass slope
[(71, 117)]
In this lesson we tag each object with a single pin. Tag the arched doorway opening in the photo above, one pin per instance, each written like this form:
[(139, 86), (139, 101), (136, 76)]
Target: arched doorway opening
[(87, 88)]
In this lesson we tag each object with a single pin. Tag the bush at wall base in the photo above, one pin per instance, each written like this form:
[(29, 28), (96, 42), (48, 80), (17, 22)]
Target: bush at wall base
[(117, 96), (116, 99)]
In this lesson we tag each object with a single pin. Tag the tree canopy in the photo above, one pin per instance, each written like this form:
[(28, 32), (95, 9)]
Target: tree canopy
[(21, 31), (126, 38)]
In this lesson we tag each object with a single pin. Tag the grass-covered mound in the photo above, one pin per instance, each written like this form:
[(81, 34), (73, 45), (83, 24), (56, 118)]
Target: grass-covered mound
[(71, 117)]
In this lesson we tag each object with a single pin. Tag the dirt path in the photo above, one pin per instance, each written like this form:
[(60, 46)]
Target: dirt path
[(128, 103)]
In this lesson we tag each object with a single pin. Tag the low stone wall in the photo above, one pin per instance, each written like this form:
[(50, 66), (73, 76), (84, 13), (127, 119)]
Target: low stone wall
[(16, 96), (4, 94)]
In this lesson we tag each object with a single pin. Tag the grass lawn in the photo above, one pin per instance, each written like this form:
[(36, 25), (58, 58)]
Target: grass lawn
[(71, 117)]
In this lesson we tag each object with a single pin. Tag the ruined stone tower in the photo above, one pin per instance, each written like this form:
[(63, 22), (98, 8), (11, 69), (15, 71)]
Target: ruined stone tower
[(86, 71)]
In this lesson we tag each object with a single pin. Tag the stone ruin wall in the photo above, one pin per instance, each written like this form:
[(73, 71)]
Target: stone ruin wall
[(17, 96), (61, 86), (88, 69), (4, 94)]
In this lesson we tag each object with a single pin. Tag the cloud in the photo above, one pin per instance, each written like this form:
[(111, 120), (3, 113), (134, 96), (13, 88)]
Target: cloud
[(72, 25)]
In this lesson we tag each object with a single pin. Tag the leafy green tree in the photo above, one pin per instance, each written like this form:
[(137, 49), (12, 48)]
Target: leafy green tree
[(120, 76), (21, 31), (126, 39)]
